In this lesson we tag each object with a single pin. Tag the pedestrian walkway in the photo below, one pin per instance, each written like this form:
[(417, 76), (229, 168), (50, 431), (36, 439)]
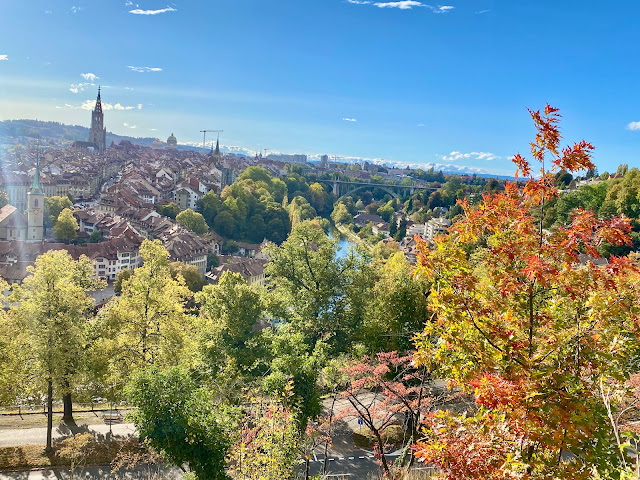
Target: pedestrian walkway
[(38, 436)]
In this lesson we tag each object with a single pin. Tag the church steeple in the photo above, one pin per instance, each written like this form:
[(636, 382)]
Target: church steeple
[(35, 207), (217, 152), (36, 188)]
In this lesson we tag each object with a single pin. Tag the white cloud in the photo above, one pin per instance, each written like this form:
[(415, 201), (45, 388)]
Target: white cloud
[(90, 105), (75, 9), (454, 156), (421, 125), (4, 57), (631, 126), (350, 119), (92, 77), (128, 3), (482, 11), (139, 106), (402, 4), (48, 12), (128, 125), (139, 11), (144, 69)]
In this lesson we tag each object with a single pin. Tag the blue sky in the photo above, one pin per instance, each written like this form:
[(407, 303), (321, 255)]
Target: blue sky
[(405, 81)]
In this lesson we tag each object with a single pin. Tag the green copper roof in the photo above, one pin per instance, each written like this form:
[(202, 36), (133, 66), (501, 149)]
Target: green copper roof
[(35, 185)]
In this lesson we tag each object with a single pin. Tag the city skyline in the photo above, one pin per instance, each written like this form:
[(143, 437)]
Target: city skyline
[(402, 82)]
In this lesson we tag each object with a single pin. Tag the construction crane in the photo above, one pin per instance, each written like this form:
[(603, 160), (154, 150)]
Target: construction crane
[(204, 137)]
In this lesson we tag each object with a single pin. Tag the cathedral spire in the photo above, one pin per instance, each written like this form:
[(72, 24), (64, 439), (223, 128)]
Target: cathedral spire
[(217, 152), (98, 102)]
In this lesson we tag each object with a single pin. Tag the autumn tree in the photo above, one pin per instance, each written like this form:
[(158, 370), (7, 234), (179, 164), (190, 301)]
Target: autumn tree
[(53, 309), (66, 227), (520, 323), (383, 389)]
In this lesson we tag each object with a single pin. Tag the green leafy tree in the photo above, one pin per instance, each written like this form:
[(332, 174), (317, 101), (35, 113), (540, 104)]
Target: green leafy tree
[(225, 224), (190, 273), (170, 210), (402, 230), (4, 199), (194, 221), (120, 278), (209, 206), (311, 282), (231, 310), (175, 417), (95, 237), (386, 212), (396, 307), (147, 324), (53, 308), (66, 227), (53, 207), (300, 210), (341, 215)]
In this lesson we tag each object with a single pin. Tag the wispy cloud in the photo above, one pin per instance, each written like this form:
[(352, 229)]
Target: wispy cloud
[(128, 125), (139, 11), (144, 69), (482, 12), (404, 5), (75, 9), (92, 77), (79, 87), (631, 126), (48, 12), (421, 125), (90, 105), (350, 119), (4, 57), (454, 156)]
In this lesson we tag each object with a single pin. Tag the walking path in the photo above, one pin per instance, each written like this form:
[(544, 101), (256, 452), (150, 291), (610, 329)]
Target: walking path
[(38, 436)]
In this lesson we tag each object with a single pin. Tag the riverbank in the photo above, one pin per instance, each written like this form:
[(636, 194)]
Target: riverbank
[(352, 237)]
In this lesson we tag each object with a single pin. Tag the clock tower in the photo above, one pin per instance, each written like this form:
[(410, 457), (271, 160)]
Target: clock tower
[(35, 208)]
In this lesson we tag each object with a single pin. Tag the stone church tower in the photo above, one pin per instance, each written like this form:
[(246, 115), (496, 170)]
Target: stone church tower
[(35, 208), (98, 132)]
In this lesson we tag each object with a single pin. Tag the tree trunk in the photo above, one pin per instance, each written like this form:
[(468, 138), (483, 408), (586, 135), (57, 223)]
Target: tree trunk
[(383, 458), (306, 469), (49, 448), (68, 408)]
